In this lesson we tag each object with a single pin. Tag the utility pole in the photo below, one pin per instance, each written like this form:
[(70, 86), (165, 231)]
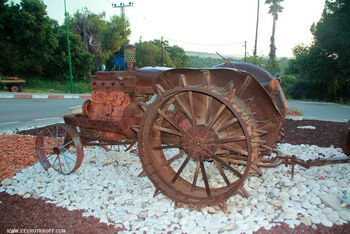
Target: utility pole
[(162, 44), (122, 6), (245, 51), (256, 30), (68, 45)]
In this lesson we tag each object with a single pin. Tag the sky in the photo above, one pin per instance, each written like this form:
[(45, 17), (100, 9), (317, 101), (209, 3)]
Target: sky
[(208, 26)]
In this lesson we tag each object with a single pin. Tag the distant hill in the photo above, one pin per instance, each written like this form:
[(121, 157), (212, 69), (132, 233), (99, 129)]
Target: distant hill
[(202, 54), (204, 60), (210, 55)]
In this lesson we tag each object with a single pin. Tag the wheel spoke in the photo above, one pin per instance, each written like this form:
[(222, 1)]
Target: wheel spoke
[(175, 157), (49, 147), (54, 162), (190, 97), (171, 121), (183, 108), (62, 146), (235, 157), (59, 160), (67, 165), (228, 124), (73, 151), (227, 140), (236, 172), (180, 169), (50, 132), (195, 177), (217, 115), (167, 130), (66, 156), (208, 110), (172, 116), (56, 135), (169, 146), (235, 150), (205, 178), (221, 171), (48, 156)]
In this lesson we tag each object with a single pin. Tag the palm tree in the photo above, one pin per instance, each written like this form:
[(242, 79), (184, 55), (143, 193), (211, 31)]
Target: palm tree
[(256, 29), (275, 8)]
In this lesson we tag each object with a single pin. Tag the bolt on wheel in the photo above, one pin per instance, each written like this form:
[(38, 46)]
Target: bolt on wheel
[(59, 147), (190, 141)]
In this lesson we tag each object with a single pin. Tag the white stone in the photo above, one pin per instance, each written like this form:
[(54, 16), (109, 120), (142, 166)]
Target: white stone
[(327, 210), (246, 211), (305, 220), (291, 214), (345, 215), (307, 127), (284, 195), (288, 183), (315, 200), (326, 222), (228, 227), (6, 182), (315, 219), (333, 216), (21, 193)]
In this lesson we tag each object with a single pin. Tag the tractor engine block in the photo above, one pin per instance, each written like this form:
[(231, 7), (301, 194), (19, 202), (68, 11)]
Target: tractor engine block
[(113, 95)]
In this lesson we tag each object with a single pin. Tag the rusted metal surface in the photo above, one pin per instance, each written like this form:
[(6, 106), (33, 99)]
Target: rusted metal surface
[(345, 140), (248, 90), (204, 132), (62, 152), (265, 79), (207, 126), (293, 160), (121, 127)]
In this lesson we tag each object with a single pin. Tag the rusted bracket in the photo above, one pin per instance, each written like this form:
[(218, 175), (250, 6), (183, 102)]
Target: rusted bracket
[(293, 160)]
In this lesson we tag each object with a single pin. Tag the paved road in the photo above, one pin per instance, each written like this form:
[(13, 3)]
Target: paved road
[(322, 110), (24, 113), (27, 113)]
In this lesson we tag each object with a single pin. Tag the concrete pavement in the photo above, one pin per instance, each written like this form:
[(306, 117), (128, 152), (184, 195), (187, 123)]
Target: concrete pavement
[(325, 111), (41, 95), (311, 110)]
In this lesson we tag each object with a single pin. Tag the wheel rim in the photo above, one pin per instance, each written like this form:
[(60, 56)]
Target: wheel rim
[(59, 148), (194, 168), (14, 88)]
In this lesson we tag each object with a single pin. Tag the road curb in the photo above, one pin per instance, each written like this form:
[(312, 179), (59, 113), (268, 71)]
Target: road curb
[(43, 96)]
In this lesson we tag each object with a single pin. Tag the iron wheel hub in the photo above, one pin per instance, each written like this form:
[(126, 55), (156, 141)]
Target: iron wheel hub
[(199, 143)]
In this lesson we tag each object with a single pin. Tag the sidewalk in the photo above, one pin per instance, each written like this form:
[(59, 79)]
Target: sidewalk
[(42, 95)]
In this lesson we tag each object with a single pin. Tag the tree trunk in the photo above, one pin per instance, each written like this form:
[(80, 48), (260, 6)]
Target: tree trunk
[(272, 54), (256, 30)]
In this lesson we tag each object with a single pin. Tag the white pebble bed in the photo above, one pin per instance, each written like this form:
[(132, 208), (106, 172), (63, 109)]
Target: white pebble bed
[(116, 195)]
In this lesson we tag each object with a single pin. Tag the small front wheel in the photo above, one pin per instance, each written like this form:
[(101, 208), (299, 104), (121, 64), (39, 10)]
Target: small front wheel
[(15, 88), (59, 147)]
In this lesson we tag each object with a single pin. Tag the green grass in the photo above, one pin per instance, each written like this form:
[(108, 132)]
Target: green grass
[(41, 85)]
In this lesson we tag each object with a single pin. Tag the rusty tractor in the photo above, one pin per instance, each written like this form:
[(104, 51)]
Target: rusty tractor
[(200, 132)]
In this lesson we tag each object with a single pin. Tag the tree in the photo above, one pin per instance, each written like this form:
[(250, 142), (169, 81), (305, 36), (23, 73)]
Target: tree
[(82, 60), (325, 64), (101, 38), (256, 29), (149, 53), (27, 40), (275, 8), (178, 56)]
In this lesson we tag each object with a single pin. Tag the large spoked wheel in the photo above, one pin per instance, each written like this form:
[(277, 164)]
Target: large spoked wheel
[(59, 147), (196, 145)]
